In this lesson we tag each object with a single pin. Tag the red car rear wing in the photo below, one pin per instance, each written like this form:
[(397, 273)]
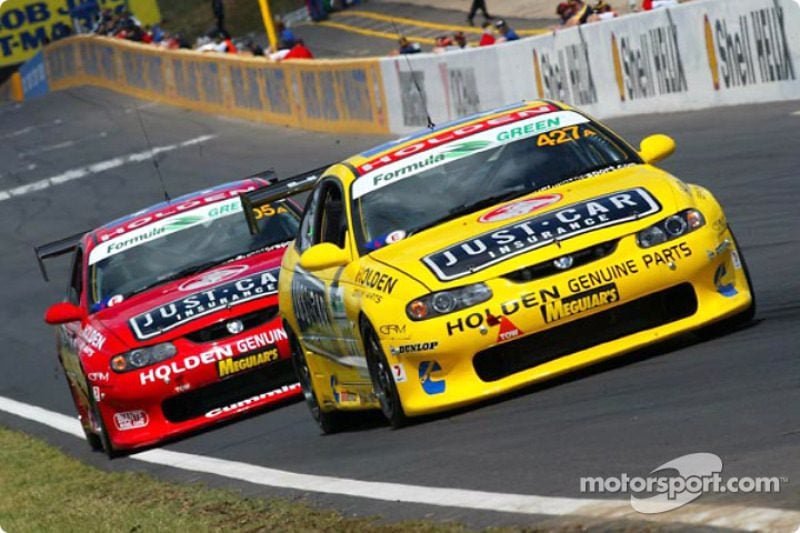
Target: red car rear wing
[(56, 248)]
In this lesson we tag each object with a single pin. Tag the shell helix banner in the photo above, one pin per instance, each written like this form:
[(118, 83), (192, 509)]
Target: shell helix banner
[(27, 25)]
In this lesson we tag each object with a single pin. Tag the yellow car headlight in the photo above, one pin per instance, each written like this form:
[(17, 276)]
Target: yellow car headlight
[(670, 228), (444, 302)]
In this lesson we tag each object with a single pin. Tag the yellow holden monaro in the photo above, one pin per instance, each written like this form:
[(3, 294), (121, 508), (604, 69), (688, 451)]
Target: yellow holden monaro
[(492, 253)]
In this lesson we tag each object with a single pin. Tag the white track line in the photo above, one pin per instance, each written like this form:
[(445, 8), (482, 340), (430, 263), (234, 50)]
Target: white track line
[(28, 129), (96, 168), (61, 145), (745, 518)]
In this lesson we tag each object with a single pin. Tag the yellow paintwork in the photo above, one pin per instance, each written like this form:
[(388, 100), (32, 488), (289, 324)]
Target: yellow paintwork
[(334, 351)]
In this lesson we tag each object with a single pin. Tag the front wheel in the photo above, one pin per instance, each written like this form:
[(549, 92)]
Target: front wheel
[(740, 319), (330, 421), (91, 437), (101, 436), (382, 379)]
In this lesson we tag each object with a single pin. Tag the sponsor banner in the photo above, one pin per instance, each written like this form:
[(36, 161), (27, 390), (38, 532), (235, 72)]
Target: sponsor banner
[(487, 249), (243, 363), (264, 342), (27, 25), (255, 401), (164, 227), (34, 77), (565, 68), (446, 87), (174, 314), (581, 302), (128, 420), (490, 134), (751, 46), (692, 56)]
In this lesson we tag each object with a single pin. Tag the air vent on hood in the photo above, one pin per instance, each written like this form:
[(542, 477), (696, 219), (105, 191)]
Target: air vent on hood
[(219, 330), (548, 268)]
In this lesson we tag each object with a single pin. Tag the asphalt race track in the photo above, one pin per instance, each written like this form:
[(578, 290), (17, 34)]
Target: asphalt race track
[(737, 396)]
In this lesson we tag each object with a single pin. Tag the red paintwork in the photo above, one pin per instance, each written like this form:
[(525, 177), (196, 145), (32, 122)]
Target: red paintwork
[(87, 346)]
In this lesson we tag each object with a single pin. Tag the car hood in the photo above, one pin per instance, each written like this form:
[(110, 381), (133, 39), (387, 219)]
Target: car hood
[(179, 307), (537, 227)]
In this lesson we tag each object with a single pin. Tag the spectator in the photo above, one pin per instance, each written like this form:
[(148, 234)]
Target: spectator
[(254, 48), (487, 37), (507, 33), (218, 44), (581, 13), (565, 11), (316, 10), (407, 47), (230, 48), (443, 44), (476, 5), (460, 39), (286, 38), (647, 5), (218, 8), (299, 51), (602, 11)]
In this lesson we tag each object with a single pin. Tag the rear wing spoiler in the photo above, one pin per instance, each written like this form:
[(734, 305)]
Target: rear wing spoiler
[(56, 248), (278, 190)]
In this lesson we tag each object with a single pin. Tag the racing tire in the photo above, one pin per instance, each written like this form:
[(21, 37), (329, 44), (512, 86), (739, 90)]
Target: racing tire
[(741, 318), (102, 437), (91, 437), (328, 421), (382, 380)]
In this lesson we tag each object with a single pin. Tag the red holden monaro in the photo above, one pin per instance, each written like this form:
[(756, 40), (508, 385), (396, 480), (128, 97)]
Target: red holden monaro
[(170, 321)]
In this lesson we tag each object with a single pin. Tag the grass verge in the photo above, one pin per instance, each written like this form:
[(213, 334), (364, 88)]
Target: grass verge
[(44, 490)]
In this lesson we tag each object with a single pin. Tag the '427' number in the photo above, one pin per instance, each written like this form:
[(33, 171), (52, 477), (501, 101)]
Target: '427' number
[(563, 135)]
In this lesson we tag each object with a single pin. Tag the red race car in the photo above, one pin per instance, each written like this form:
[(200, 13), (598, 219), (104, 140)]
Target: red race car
[(170, 321)]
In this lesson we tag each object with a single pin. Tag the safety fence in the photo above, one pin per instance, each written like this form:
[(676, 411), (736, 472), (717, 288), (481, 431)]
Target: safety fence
[(330, 95), (697, 55)]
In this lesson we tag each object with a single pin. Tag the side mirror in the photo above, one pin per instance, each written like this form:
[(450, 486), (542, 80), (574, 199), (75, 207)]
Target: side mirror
[(63, 312), (656, 147), (324, 255)]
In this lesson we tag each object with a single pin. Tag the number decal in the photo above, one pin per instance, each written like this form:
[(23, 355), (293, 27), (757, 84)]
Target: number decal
[(266, 211), (563, 135)]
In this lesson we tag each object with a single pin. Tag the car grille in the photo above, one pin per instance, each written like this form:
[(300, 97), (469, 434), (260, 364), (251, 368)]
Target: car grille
[(644, 313), (547, 268), (218, 331), (228, 391)]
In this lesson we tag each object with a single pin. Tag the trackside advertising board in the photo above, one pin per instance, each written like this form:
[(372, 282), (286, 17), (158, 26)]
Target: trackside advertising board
[(34, 77), (27, 25), (696, 55)]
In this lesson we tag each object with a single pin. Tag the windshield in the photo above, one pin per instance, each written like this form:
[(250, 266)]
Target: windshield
[(181, 245), (415, 193)]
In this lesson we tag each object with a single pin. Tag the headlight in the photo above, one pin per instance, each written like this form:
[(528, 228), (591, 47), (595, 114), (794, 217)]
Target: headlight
[(670, 228), (142, 357), (443, 302)]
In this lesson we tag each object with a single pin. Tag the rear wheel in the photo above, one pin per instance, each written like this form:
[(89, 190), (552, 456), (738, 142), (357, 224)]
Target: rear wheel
[(382, 380), (328, 421)]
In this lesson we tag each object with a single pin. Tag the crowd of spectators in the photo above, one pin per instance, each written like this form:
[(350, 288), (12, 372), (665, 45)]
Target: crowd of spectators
[(124, 25)]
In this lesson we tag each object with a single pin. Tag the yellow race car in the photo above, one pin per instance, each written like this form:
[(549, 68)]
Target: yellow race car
[(492, 253)]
